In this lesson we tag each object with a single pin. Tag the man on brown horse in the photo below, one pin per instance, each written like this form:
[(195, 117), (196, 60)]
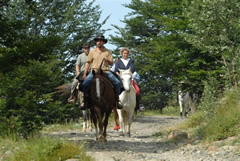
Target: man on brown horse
[(80, 66), (95, 58)]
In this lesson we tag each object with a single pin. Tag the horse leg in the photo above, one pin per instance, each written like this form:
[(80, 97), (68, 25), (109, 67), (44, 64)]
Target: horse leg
[(116, 119), (106, 124), (84, 120), (181, 108), (81, 103), (89, 121), (100, 122), (93, 116), (120, 115), (129, 124), (125, 120)]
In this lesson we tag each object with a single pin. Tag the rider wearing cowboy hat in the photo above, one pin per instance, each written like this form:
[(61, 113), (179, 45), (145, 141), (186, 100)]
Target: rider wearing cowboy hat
[(94, 59)]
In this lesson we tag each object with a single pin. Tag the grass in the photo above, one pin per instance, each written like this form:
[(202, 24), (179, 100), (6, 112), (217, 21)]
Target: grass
[(224, 122), (169, 110), (218, 123), (40, 149), (62, 127)]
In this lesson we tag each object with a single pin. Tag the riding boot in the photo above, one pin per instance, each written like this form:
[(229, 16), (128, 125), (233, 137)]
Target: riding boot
[(119, 106)]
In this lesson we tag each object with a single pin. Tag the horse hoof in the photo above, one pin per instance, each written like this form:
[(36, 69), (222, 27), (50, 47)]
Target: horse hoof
[(128, 135), (102, 139)]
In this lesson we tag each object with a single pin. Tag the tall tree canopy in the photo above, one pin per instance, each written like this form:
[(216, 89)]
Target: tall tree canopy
[(163, 57), (39, 43), (215, 28)]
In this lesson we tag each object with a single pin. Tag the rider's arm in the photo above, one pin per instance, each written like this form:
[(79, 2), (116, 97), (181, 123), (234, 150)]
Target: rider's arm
[(77, 69), (110, 62), (87, 65)]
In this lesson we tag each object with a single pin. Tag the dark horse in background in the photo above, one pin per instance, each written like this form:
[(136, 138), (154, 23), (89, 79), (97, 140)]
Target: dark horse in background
[(101, 101)]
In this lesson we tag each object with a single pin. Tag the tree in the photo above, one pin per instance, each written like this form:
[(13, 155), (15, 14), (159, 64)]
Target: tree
[(214, 26), (38, 42), (153, 31)]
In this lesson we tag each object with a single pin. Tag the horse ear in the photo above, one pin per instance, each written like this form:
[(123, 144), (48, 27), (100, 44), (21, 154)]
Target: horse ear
[(120, 70)]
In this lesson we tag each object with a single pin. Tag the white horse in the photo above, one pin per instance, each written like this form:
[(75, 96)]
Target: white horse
[(186, 102), (128, 100)]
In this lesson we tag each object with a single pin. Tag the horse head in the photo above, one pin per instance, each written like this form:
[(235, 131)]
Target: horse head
[(98, 85), (126, 77)]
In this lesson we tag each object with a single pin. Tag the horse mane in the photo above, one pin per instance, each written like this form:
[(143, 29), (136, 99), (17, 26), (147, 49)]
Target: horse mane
[(122, 71)]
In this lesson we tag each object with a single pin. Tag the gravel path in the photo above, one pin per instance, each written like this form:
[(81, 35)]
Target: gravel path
[(143, 147)]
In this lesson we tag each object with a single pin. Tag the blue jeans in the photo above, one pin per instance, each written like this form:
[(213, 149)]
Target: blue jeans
[(114, 80)]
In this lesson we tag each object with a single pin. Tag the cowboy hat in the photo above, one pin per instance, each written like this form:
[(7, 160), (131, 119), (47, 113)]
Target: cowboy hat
[(101, 37)]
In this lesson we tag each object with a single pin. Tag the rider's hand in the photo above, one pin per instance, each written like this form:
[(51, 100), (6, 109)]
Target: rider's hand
[(84, 76)]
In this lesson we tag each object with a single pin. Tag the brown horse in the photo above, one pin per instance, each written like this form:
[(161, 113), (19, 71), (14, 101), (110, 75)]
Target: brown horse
[(101, 102)]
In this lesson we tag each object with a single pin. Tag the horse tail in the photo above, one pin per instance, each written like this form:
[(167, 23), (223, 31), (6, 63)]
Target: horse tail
[(99, 69), (64, 89)]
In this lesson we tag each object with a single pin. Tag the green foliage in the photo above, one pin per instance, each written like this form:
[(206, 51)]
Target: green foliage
[(168, 110), (196, 119), (42, 149), (171, 110), (226, 121), (75, 125), (153, 31), (223, 122), (214, 27), (38, 43), (211, 94)]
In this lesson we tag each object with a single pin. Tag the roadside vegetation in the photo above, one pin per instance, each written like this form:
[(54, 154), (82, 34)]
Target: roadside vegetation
[(170, 42), (220, 120), (170, 111), (214, 120), (40, 148)]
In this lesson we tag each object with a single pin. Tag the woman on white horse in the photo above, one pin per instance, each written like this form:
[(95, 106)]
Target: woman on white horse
[(124, 63)]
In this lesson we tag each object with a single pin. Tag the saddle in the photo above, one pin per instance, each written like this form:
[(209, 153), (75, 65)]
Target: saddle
[(121, 85), (117, 76)]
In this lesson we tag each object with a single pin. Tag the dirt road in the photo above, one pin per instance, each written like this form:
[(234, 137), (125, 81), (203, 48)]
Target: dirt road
[(142, 146)]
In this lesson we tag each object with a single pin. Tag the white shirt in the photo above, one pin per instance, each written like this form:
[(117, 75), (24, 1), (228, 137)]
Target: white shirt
[(125, 61)]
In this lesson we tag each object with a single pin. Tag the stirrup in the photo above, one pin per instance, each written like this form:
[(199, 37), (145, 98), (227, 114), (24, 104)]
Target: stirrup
[(119, 106)]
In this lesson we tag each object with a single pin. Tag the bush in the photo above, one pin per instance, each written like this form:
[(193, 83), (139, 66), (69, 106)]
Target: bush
[(224, 122), (28, 99), (42, 149), (196, 119)]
